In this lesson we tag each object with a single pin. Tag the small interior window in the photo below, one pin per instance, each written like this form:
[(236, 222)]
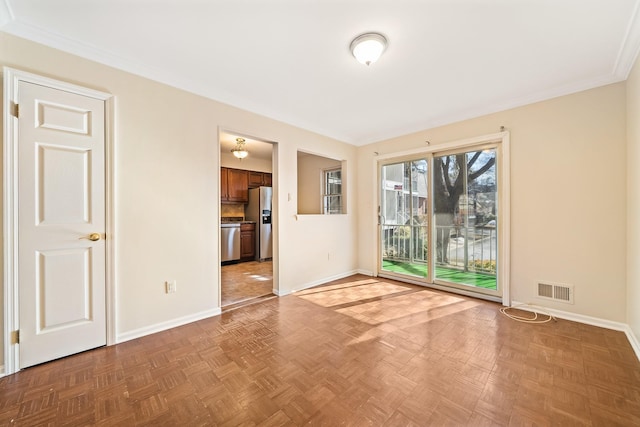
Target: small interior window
[(332, 194), (320, 185)]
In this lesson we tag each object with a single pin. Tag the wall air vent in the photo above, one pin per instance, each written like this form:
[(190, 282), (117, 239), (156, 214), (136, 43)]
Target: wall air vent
[(556, 292)]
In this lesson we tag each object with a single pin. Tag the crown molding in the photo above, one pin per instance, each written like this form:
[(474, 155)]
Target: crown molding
[(491, 108), (630, 46), (84, 50), (6, 13), (93, 53)]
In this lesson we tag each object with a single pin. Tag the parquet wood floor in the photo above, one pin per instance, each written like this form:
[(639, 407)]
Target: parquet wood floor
[(359, 351), (245, 281)]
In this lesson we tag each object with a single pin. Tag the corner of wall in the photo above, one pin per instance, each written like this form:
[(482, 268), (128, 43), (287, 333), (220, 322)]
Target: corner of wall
[(633, 204)]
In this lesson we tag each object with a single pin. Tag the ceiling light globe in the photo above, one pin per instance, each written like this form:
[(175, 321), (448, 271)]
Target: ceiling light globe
[(240, 154), (239, 150), (367, 48)]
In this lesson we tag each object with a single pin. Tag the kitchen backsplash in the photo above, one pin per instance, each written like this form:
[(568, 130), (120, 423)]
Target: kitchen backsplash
[(232, 210)]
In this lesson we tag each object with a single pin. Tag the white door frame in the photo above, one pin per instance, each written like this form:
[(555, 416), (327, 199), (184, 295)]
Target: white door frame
[(11, 79)]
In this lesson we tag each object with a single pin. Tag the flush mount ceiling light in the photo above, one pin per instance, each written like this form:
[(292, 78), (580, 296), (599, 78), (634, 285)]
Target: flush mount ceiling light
[(368, 47), (239, 151)]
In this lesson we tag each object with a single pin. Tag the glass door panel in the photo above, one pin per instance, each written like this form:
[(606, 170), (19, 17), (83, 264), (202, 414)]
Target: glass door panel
[(404, 218), (465, 207)]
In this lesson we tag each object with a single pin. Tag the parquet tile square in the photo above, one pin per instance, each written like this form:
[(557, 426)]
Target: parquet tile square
[(112, 407), (357, 351), (604, 415), (278, 419), (299, 410), (398, 419), (497, 408), (419, 406)]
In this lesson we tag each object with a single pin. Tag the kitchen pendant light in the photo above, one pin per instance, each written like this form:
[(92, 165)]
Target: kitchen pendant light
[(368, 47), (239, 151)]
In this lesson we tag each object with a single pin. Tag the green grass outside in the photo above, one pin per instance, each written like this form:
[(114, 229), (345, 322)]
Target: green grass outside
[(449, 274)]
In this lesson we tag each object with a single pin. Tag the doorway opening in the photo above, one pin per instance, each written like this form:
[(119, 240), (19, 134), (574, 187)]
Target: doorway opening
[(247, 220)]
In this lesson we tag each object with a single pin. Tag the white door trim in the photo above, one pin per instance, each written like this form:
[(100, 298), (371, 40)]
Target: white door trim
[(11, 79)]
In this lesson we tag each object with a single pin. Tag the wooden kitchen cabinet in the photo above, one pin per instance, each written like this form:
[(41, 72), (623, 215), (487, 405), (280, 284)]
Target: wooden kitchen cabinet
[(258, 179), (255, 179), (238, 185), (234, 185), (224, 193), (247, 241)]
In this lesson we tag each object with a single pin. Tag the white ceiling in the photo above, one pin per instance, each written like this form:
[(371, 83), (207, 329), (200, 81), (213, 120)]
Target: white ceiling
[(447, 60)]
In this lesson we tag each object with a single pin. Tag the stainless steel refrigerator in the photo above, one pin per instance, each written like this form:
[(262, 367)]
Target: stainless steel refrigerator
[(259, 210)]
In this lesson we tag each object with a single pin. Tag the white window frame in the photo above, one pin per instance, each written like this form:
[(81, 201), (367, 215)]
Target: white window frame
[(326, 195)]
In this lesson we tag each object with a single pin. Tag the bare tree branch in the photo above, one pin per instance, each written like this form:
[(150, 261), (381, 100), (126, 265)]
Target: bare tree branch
[(473, 159), (483, 169)]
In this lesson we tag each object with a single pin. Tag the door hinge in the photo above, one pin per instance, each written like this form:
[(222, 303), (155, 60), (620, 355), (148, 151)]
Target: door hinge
[(16, 110), (15, 337)]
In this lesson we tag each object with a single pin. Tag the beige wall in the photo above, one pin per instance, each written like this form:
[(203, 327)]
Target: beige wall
[(568, 198), (633, 200), (249, 163), (167, 163)]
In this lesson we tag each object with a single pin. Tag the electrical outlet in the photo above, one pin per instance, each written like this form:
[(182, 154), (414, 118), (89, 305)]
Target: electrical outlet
[(170, 286)]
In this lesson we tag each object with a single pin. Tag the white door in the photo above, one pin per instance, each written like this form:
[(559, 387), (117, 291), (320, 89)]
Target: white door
[(61, 223)]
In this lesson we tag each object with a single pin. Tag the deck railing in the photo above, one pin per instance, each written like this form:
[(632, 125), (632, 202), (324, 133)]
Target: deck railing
[(405, 243), (467, 248)]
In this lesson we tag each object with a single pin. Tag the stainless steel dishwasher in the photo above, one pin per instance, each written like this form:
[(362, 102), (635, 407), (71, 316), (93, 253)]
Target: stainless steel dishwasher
[(230, 241)]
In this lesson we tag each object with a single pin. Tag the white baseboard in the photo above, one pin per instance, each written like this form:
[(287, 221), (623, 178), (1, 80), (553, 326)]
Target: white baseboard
[(278, 293), (325, 280), (2, 374), (588, 320), (163, 326), (365, 272), (633, 340)]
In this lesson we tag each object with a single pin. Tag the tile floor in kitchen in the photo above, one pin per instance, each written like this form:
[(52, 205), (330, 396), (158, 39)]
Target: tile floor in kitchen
[(246, 281)]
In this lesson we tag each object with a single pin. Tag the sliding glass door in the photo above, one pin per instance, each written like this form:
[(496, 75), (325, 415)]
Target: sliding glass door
[(404, 218), (465, 207), (439, 218)]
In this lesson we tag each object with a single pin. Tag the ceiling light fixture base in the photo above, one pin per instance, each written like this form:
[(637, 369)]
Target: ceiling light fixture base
[(368, 47)]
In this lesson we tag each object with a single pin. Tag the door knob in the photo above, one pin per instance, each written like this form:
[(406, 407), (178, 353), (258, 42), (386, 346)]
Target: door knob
[(94, 237)]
